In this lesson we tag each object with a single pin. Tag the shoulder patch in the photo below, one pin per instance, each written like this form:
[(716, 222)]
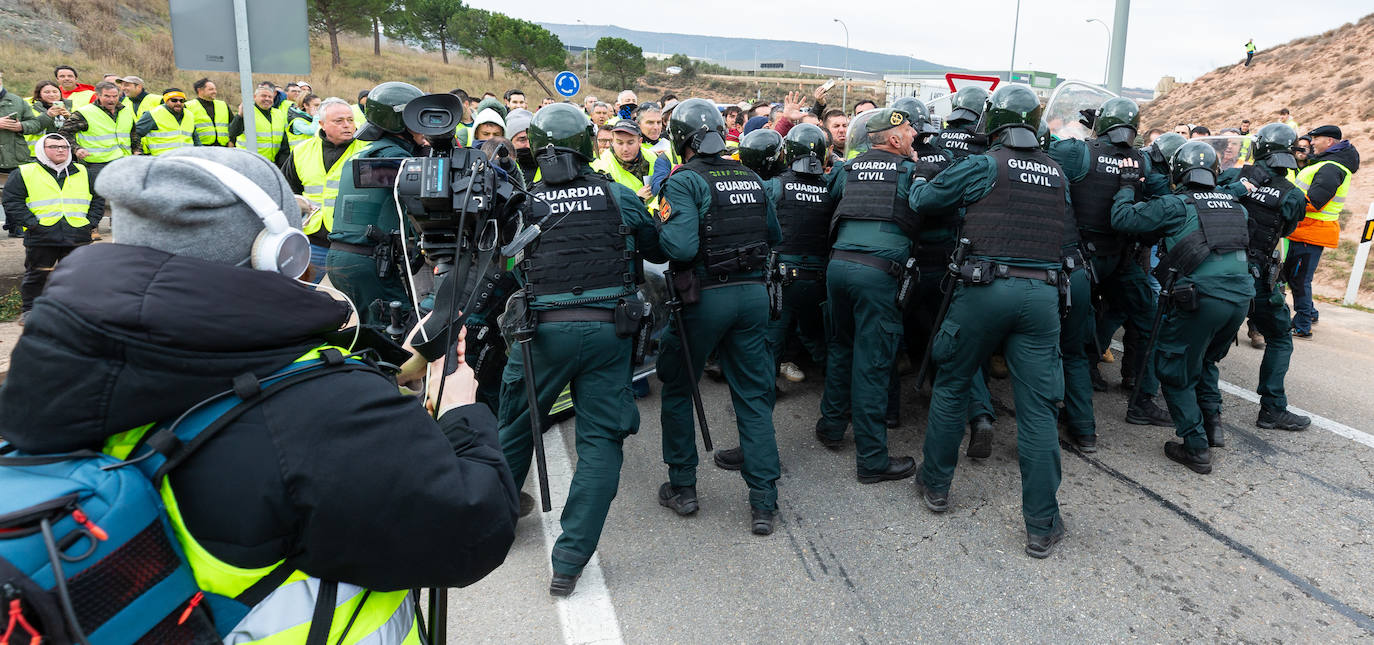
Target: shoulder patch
[(665, 211)]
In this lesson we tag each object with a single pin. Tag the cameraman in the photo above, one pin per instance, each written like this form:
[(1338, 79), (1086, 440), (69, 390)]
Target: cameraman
[(366, 217), (337, 486)]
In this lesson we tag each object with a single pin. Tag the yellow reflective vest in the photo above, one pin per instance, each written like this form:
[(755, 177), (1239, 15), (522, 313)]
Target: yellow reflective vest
[(270, 132), (169, 134), (608, 164), (84, 97), (211, 129), (51, 203), (284, 617), (146, 104), (321, 184), (1322, 226), (294, 138), (106, 138)]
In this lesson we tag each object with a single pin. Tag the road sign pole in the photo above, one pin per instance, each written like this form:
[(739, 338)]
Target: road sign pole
[(250, 130), (1352, 289)]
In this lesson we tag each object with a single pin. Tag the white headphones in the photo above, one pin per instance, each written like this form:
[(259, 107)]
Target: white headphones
[(279, 247)]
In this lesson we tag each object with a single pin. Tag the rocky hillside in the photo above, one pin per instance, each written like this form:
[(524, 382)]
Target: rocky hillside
[(1322, 79)]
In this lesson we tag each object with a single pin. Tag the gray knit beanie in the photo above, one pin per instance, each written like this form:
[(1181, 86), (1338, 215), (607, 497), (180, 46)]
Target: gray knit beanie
[(181, 208)]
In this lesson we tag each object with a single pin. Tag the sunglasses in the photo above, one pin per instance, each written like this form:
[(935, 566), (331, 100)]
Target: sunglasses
[(176, 100)]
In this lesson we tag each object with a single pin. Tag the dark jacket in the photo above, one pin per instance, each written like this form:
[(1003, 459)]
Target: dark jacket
[(61, 233), (349, 479), (1329, 178)]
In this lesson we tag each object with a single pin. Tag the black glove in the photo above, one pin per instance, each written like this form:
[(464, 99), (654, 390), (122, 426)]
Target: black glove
[(1087, 117), (1130, 175), (925, 170)]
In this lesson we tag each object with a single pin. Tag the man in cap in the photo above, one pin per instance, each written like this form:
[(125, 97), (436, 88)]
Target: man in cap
[(136, 97), (50, 198), (1016, 219), (716, 232), (628, 163), (873, 232), (1325, 180), (166, 127)]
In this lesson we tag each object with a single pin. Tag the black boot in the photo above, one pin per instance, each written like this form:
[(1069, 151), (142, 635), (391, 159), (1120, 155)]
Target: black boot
[(937, 502), (1099, 383), (1282, 420), (562, 585), (1041, 546), (1085, 443), (729, 458), (763, 521), (682, 499), (980, 437), (1198, 462), (1144, 411), (897, 468), (1216, 437)]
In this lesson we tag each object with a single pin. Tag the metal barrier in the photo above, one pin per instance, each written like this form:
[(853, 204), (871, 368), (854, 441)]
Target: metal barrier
[(1361, 257)]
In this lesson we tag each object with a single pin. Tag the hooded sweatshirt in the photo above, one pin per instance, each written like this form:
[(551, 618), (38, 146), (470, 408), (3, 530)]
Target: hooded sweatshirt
[(341, 474), (15, 200)]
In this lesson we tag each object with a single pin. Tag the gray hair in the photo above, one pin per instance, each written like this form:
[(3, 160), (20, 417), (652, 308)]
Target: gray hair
[(600, 104), (878, 138), (333, 100), (104, 85)]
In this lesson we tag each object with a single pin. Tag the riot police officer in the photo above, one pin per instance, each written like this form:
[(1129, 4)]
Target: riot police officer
[(365, 217), (1093, 169), (1275, 207), (718, 225), (1206, 287), (589, 257), (804, 206), (761, 152), (959, 136), (874, 225), (939, 231), (1008, 295)]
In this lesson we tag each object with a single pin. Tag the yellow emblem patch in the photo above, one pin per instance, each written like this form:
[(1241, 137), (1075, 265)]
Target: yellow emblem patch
[(666, 211), (896, 118)]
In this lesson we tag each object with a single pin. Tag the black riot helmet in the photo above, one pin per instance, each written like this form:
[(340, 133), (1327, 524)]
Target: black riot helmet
[(1195, 163), (1274, 146), (697, 124), (917, 113), (1042, 133), (385, 103), (1117, 121), (565, 128), (1164, 147), (761, 152), (1012, 113), (968, 104), (806, 148)]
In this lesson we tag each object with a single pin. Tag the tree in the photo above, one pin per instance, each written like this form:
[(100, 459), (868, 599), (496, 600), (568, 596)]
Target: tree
[(689, 66), (333, 17), (475, 30), (619, 59), (525, 45), (375, 11), (427, 22)]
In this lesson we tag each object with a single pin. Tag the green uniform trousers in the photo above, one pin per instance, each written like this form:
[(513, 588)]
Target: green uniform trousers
[(1075, 336), (865, 328), (732, 322), (1185, 358), (590, 357), (802, 302), (1269, 313), (1022, 317), (918, 323), (356, 276), (1126, 292)]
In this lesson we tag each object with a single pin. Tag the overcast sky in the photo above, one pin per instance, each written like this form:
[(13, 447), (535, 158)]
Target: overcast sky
[(1167, 38)]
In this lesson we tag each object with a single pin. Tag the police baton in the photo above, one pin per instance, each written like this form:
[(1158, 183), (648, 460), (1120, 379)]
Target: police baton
[(951, 278), (524, 335), (1166, 291), (674, 304)]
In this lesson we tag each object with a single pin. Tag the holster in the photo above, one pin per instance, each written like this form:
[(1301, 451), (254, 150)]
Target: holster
[(687, 286), (1185, 298), (630, 313), (911, 276)]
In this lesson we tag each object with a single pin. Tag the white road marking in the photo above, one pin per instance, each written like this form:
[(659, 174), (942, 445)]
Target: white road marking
[(1317, 420), (587, 616)]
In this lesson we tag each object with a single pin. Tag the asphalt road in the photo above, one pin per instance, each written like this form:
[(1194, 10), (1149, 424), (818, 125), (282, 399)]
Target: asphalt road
[(1273, 546)]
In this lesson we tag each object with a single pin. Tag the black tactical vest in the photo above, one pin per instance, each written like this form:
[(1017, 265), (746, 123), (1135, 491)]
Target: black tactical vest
[(1092, 195), (1263, 205), (1223, 220), (1024, 216), (588, 249), (947, 220), (870, 188), (733, 234), (927, 153), (961, 142), (804, 209)]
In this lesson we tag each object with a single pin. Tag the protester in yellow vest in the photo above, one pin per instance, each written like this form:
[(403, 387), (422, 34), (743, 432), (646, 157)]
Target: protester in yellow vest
[(629, 163), (73, 90), (166, 127), (269, 123), (315, 168), (51, 199), (320, 509), (212, 115), (1326, 182), (136, 97), (103, 130)]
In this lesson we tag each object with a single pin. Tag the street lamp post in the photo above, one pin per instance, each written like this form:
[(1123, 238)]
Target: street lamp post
[(1016, 27), (844, 94), (586, 64), (1108, 58)]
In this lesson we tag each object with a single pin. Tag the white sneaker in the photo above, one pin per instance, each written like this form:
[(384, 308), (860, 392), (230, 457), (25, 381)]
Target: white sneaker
[(791, 372)]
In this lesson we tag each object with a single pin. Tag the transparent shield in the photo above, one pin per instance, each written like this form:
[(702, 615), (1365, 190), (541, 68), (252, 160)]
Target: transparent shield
[(1062, 112), (856, 141), (940, 107), (1233, 151)]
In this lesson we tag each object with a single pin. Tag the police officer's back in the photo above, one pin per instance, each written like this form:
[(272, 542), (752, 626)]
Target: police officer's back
[(959, 135)]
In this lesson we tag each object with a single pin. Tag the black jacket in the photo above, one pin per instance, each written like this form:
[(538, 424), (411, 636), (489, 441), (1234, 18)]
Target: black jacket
[(1329, 178), (342, 474), (61, 233)]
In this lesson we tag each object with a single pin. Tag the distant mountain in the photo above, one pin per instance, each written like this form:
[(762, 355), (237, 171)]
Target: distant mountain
[(716, 48)]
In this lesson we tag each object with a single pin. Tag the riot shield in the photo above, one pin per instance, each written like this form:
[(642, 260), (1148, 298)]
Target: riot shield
[(1062, 112), (856, 141), (940, 107), (1233, 150)]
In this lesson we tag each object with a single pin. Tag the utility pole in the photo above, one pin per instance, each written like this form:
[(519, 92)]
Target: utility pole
[(1117, 64), (844, 95), (1016, 27)]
